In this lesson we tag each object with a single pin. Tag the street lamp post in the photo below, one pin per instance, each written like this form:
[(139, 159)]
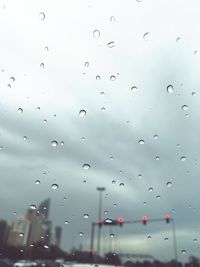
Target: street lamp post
[(100, 189)]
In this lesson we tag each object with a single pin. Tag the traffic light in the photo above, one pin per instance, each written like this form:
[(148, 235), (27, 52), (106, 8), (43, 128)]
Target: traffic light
[(120, 221), (144, 219), (167, 217)]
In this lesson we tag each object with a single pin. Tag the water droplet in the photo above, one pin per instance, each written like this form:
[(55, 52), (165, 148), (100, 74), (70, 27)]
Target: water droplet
[(166, 238), (112, 235), (96, 34), (38, 108), (150, 189), (112, 19), (12, 79), (178, 145), (183, 158), (158, 197), (141, 142), (41, 16), (45, 246), (82, 112), (87, 64), (113, 181), (83, 138), (134, 89), (139, 1), (144, 203), (86, 166), (178, 39), (183, 251), (14, 213), (46, 48), (108, 220), (121, 184), (170, 89), (103, 109), (195, 240), (111, 44), (1, 147), (20, 110), (157, 158), (66, 222), (84, 181), (115, 205), (169, 184), (139, 176), (155, 136), (98, 77), (81, 233), (111, 158), (146, 36), (21, 234), (86, 216), (44, 121), (54, 186), (184, 107), (102, 93), (193, 94), (148, 237), (112, 78), (42, 65), (62, 143), (54, 143), (33, 207), (105, 212), (37, 181), (9, 85)]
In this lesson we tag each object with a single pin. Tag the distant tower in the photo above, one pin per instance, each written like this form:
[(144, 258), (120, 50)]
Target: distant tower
[(58, 234)]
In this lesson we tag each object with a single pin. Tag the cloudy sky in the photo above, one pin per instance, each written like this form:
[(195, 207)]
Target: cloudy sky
[(114, 60)]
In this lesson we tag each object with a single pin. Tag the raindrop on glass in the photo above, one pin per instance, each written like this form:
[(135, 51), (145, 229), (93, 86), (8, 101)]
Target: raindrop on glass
[(84, 181), (37, 181), (20, 110), (157, 158), (158, 197), (178, 39), (81, 233), (112, 235), (32, 207), (25, 138), (139, 176), (42, 65), (166, 238), (82, 112), (111, 44), (21, 234), (41, 16), (66, 222), (112, 19), (183, 251), (113, 182), (111, 157), (44, 121), (121, 184), (146, 36), (193, 94), (184, 107), (112, 78), (150, 189), (98, 77), (195, 240), (54, 186), (87, 64), (12, 79), (54, 143), (148, 237), (86, 166), (103, 109), (96, 34), (134, 89), (86, 216), (38, 108), (62, 143), (169, 184), (105, 212), (183, 158), (141, 142), (155, 136), (170, 89)]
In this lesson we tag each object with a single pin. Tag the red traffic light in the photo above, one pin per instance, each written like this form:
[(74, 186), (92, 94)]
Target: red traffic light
[(167, 217), (120, 220), (144, 219)]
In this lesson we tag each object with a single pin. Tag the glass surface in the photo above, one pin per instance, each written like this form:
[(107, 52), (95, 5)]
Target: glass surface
[(99, 120)]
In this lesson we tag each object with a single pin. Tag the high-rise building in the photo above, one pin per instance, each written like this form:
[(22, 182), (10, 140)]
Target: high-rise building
[(19, 232), (58, 234), (3, 232), (44, 209)]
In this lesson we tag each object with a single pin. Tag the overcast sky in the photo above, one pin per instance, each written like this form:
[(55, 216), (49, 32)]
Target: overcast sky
[(113, 59)]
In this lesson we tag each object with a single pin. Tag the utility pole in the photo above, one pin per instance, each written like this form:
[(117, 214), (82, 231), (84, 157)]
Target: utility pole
[(100, 189)]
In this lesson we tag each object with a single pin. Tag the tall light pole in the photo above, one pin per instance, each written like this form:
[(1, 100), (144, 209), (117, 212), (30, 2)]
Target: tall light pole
[(100, 189)]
